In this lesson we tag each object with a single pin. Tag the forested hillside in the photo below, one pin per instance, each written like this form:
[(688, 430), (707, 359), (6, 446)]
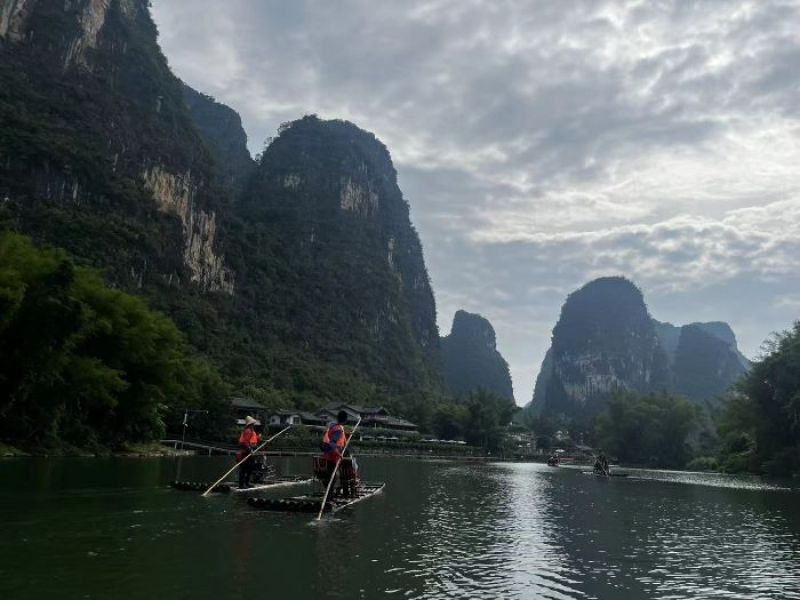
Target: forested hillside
[(301, 277)]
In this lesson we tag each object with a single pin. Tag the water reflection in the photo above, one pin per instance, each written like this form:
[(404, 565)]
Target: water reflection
[(79, 528)]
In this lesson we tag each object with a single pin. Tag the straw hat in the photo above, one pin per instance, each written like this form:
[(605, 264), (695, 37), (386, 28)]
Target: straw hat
[(248, 420)]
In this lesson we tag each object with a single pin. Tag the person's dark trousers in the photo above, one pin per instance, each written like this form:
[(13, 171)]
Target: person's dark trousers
[(331, 465), (245, 470)]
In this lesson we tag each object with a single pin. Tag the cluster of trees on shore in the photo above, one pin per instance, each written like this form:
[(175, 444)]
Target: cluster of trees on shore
[(759, 426), (85, 365), (652, 429), (480, 418)]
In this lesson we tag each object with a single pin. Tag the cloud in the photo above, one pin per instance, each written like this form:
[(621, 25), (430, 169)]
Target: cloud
[(542, 143)]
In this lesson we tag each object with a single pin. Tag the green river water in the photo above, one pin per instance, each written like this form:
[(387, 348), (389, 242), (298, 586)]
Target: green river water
[(112, 528)]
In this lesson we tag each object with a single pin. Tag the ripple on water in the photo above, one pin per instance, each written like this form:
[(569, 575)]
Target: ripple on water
[(518, 531)]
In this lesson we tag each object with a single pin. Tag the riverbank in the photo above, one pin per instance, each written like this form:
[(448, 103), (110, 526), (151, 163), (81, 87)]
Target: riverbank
[(10, 451), (148, 450)]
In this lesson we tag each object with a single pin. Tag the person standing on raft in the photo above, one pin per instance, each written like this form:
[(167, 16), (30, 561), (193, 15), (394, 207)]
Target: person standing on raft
[(601, 465), (333, 444), (248, 440)]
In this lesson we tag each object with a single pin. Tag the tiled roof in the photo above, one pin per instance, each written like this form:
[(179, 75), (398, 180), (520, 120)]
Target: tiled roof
[(307, 416), (285, 413), (392, 421), (354, 409)]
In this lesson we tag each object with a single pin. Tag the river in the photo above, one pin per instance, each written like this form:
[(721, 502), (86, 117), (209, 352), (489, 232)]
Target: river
[(111, 528)]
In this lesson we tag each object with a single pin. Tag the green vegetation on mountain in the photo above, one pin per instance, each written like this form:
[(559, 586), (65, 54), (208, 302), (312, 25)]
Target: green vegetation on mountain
[(471, 360), (82, 120), (760, 425), (301, 278), (332, 282), (87, 365)]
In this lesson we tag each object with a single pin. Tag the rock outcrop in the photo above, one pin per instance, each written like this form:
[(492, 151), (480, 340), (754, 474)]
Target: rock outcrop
[(301, 276), (471, 360), (13, 17), (606, 340), (704, 358), (175, 194), (105, 144), (327, 194)]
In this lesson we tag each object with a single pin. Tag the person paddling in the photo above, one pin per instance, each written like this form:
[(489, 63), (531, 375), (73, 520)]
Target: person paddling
[(248, 440), (601, 464)]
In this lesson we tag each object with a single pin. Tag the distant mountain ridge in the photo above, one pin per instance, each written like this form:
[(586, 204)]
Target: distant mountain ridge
[(471, 359), (605, 339)]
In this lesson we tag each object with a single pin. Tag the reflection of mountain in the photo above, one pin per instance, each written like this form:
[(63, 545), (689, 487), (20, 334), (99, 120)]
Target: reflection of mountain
[(605, 339)]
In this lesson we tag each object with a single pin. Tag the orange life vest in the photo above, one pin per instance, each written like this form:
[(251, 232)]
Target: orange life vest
[(327, 446), (249, 437)]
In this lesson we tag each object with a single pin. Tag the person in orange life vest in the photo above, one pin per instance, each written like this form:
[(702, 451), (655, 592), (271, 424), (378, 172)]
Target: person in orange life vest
[(248, 440), (333, 443)]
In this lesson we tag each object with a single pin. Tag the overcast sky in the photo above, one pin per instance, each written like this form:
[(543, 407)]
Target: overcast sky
[(543, 143)]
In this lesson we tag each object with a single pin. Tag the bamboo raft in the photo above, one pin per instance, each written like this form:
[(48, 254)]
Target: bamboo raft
[(231, 487), (311, 503)]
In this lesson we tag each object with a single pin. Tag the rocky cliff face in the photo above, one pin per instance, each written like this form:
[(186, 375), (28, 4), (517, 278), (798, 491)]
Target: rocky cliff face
[(302, 276), (606, 340), (96, 138), (704, 359), (13, 15), (471, 360), (326, 194)]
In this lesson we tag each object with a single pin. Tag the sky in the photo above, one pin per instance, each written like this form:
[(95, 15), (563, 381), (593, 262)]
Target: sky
[(544, 143)]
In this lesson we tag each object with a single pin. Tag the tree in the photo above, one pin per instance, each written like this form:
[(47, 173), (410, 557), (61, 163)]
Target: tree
[(488, 414), (647, 429), (85, 364), (450, 421), (760, 425)]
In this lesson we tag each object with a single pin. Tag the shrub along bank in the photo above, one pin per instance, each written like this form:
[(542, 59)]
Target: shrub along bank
[(85, 365)]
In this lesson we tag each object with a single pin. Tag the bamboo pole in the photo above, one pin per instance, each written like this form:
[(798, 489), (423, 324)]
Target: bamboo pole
[(336, 468), (216, 483)]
